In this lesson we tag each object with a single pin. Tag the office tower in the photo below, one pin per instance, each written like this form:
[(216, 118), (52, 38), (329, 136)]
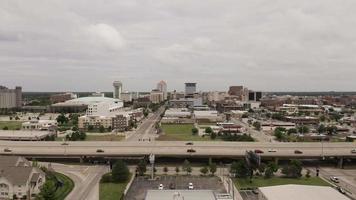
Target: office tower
[(10, 98), (190, 89), (117, 89), (162, 86)]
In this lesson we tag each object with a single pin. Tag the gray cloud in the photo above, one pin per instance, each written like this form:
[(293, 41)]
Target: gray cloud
[(84, 45)]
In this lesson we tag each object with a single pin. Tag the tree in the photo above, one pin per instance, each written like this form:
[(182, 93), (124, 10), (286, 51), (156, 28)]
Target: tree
[(5, 128), (212, 168), (321, 128), (165, 169), (195, 131), (293, 169), (279, 134), (62, 119), (257, 125), (177, 170), (240, 169), (141, 167), (204, 170), (307, 175), (186, 166), (208, 130), (48, 191), (120, 172), (101, 129), (331, 129), (213, 135), (271, 168), (90, 127), (303, 129), (292, 131)]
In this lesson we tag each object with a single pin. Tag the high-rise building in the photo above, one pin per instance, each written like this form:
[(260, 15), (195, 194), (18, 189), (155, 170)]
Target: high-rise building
[(236, 90), (162, 86), (254, 96), (156, 96), (10, 98), (117, 89), (190, 89)]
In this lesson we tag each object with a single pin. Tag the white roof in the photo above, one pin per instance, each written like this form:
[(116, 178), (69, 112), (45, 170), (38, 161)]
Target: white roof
[(89, 100), (183, 194), (301, 192)]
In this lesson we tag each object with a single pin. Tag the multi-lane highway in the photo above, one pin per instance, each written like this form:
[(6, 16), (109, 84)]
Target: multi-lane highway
[(167, 148)]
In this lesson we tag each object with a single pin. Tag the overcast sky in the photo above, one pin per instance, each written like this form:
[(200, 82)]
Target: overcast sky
[(278, 45)]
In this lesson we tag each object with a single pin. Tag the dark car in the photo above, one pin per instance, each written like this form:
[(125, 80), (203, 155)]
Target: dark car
[(7, 150), (298, 152), (99, 151), (191, 151), (64, 143), (189, 143), (172, 186), (258, 151)]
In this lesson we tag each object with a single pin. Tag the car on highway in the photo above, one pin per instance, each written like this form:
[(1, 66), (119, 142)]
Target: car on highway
[(7, 150), (189, 143), (334, 179), (258, 151), (172, 186), (99, 151), (160, 187), (353, 150), (341, 190), (191, 150), (298, 152), (64, 143), (272, 150), (190, 186)]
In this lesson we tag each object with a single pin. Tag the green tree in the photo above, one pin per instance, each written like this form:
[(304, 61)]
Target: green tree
[(177, 170), (257, 125), (5, 128), (303, 129), (101, 129), (120, 172), (331, 129), (213, 135), (48, 191), (280, 135), (62, 119), (271, 168), (321, 128), (307, 175), (212, 168), (240, 169), (292, 131), (293, 169), (195, 131), (204, 170), (165, 169), (142, 167), (208, 130), (186, 165)]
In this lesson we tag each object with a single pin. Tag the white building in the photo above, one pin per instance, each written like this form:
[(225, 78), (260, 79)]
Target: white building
[(10, 98), (177, 112), (190, 89), (104, 108), (18, 178), (126, 96), (186, 195), (300, 192), (156, 96), (95, 121), (39, 124), (209, 115), (162, 86), (117, 89)]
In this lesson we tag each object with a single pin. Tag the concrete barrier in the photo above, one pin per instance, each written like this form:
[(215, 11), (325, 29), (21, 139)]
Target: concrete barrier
[(230, 187)]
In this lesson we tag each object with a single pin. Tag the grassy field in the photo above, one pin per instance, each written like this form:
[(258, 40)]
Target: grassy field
[(111, 191), (262, 182), (12, 125), (67, 187), (180, 132), (104, 138)]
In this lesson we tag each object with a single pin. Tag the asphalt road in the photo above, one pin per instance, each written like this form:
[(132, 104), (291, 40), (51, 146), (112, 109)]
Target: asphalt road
[(86, 180), (176, 148), (146, 130)]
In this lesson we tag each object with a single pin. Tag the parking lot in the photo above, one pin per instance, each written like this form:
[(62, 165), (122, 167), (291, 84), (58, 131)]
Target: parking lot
[(140, 185)]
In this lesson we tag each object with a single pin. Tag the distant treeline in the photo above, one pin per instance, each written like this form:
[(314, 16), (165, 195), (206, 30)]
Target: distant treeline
[(331, 93)]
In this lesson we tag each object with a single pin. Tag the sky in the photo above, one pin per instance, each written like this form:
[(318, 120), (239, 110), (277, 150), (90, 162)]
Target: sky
[(78, 45)]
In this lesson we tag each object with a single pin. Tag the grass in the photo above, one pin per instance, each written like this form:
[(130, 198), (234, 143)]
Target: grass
[(12, 125), (262, 182), (67, 187), (180, 132), (104, 138), (112, 191)]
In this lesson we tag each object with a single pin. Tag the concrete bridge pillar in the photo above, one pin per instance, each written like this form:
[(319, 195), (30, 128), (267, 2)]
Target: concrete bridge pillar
[(81, 159), (340, 163), (276, 160)]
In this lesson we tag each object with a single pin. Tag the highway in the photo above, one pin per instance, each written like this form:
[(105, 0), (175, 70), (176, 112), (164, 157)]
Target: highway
[(175, 148)]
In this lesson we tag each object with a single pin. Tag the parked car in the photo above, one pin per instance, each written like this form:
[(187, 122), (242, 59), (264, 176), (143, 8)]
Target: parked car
[(7, 150), (189, 143), (191, 151), (353, 150), (258, 151), (334, 179), (298, 152), (64, 143), (272, 150), (99, 151), (190, 186), (160, 187)]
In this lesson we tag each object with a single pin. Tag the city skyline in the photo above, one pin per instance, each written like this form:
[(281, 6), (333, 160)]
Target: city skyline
[(284, 46)]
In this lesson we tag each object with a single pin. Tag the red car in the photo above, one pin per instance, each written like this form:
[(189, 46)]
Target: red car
[(258, 151)]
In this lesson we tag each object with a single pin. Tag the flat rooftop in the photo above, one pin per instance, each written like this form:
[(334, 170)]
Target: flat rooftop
[(301, 192), (180, 195), (22, 135)]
